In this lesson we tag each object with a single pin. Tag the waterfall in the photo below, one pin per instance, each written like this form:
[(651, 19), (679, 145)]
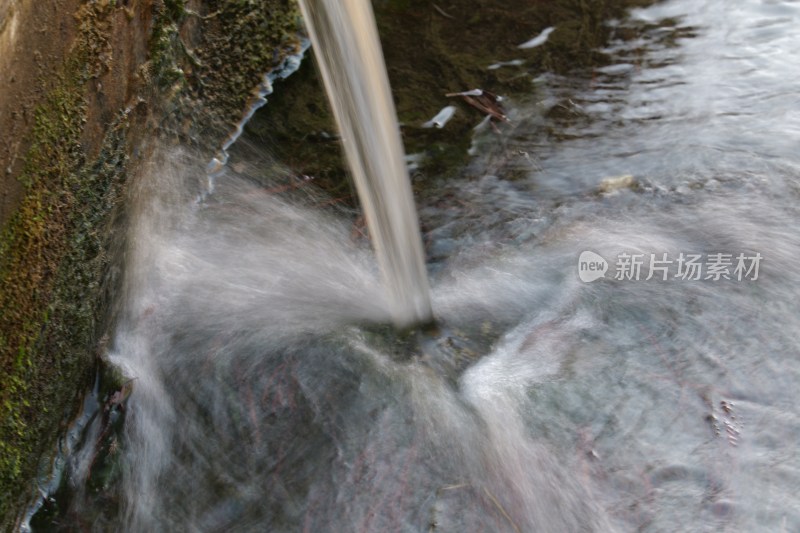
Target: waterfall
[(345, 39)]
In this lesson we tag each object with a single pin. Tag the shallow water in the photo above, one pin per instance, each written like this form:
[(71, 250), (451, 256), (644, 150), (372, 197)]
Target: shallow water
[(268, 395)]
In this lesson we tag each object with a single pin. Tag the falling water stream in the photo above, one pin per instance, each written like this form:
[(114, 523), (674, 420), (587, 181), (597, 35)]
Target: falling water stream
[(270, 393), (350, 59)]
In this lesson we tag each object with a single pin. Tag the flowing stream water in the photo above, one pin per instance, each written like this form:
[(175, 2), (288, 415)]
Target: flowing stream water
[(269, 394)]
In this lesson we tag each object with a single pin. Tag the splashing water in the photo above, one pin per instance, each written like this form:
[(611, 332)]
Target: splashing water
[(259, 403)]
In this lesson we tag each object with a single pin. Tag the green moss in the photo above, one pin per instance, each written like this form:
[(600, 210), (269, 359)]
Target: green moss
[(50, 265), (210, 71)]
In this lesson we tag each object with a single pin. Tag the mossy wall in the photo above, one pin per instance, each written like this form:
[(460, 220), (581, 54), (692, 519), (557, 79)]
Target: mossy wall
[(138, 72)]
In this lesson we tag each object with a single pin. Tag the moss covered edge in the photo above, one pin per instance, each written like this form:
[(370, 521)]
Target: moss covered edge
[(59, 250)]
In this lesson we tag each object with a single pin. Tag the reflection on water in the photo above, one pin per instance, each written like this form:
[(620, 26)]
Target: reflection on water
[(269, 397)]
